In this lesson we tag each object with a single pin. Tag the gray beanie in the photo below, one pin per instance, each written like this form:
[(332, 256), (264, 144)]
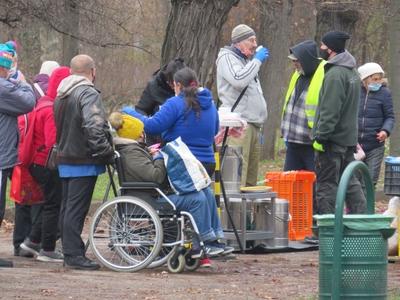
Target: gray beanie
[(241, 32)]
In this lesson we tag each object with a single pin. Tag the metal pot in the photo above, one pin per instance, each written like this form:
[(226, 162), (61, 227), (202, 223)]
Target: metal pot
[(231, 169), (264, 221), (235, 209)]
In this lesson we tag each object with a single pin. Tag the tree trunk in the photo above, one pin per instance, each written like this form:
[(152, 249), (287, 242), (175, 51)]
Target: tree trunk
[(70, 44), (334, 15), (394, 69), (192, 33), (274, 34)]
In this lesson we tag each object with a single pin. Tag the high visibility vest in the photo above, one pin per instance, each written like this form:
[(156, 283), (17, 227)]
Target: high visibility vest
[(312, 94)]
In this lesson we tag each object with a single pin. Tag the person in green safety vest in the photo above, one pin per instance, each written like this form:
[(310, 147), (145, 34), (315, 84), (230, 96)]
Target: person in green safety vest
[(300, 105)]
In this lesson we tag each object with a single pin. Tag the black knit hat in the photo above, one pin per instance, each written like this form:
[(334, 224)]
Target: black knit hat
[(335, 40)]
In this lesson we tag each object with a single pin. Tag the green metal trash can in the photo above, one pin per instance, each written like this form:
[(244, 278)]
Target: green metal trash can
[(353, 248), (363, 256)]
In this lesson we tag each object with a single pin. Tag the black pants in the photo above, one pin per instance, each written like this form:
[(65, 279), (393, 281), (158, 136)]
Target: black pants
[(77, 193), (329, 167), (26, 218), (4, 174), (50, 183)]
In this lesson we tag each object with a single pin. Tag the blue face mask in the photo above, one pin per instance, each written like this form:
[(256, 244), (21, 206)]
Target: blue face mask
[(374, 87)]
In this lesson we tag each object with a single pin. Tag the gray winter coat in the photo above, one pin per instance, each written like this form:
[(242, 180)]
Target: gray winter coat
[(15, 99), (234, 73)]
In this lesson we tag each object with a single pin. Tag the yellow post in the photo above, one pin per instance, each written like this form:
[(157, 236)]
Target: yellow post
[(398, 232), (217, 182)]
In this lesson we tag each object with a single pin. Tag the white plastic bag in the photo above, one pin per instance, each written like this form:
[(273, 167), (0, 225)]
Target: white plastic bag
[(392, 211), (185, 173), (360, 154)]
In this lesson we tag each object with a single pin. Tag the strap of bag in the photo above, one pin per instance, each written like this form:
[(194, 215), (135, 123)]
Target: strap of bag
[(38, 89), (239, 98), (26, 124)]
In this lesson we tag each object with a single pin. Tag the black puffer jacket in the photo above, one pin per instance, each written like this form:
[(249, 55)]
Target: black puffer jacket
[(155, 94), (375, 114), (83, 135)]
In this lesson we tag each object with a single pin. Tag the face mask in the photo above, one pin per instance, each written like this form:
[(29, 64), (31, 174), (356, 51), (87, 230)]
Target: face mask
[(324, 54), (374, 87)]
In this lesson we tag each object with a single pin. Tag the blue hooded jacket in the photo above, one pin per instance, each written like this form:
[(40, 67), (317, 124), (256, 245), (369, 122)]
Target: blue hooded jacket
[(174, 120)]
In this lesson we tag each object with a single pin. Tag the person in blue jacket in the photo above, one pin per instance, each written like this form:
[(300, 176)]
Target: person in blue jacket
[(16, 98), (375, 116), (191, 114)]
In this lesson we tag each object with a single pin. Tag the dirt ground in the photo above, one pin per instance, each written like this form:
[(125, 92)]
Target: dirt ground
[(291, 275)]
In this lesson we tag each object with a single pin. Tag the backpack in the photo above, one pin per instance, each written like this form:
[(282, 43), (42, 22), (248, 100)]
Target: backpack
[(26, 126)]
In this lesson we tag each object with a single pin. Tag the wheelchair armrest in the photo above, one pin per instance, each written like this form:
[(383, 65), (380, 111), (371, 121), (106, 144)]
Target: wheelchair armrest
[(139, 185)]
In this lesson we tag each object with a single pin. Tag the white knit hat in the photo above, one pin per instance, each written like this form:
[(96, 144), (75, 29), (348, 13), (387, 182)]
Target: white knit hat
[(241, 32), (48, 67), (369, 69)]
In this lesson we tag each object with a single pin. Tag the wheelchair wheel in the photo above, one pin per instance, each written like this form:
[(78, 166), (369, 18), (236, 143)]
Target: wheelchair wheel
[(176, 264), (171, 234), (191, 264), (126, 234)]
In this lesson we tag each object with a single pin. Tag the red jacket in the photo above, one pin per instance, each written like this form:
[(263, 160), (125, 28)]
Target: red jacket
[(44, 136)]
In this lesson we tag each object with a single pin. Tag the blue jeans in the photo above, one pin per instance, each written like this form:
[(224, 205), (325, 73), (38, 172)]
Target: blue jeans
[(299, 157), (201, 205)]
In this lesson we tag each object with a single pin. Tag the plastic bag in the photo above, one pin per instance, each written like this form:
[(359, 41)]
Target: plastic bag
[(360, 154), (185, 173), (393, 210), (24, 189)]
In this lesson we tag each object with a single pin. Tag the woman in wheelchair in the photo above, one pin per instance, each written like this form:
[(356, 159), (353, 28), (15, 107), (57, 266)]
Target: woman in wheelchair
[(142, 166)]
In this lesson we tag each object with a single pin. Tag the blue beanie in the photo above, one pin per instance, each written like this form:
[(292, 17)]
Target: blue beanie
[(6, 60)]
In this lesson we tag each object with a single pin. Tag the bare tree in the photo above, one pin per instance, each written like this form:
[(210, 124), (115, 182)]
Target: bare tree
[(192, 33), (337, 15), (274, 34), (70, 43)]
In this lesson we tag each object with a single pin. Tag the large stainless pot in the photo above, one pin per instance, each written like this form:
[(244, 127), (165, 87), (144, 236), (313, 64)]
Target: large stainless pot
[(264, 221)]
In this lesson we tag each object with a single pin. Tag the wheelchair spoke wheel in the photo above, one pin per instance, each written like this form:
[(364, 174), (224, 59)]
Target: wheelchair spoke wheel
[(171, 233), (126, 234)]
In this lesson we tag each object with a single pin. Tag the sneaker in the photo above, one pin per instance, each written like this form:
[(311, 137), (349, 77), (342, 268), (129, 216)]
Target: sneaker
[(196, 253), (227, 249), (205, 263), (311, 240), (50, 256), (22, 252), (30, 246), (211, 250), (80, 263)]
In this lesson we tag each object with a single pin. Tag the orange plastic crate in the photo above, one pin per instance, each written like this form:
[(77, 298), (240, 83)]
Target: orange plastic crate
[(297, 188)]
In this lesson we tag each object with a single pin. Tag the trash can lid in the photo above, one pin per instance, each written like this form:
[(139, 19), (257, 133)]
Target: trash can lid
[(357, 222), (392, 160)]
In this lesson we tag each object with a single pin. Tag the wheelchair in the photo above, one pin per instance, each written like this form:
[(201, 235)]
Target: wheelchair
[(135, 230)]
